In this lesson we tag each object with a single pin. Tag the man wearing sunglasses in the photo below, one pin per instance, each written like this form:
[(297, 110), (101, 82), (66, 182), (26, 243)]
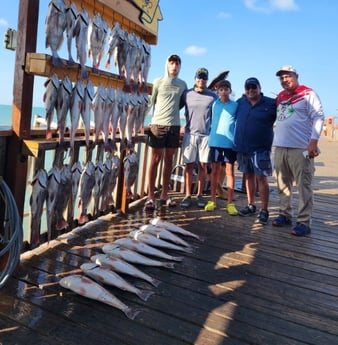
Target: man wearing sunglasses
[(198, 104), (256, 115)]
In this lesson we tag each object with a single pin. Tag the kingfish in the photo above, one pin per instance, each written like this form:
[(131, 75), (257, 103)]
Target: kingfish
[(50, 101), (76, 175), (87, 108), (109, 277), (108, 114), (99, 171), (87, 182), (146, 63), (132, 109), (112, 179), (144, 248), (107, 166), (90, 289), (99, 110), (130, 164), (36, 201), (56, 22), (157, 242), (174, 228), (124, 267), (71, 13), (133, 257), (117, 111)]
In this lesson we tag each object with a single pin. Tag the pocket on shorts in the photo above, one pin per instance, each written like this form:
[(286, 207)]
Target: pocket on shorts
[(158, 131), (263, 160)]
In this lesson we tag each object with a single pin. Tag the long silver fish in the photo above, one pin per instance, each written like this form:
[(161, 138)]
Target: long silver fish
[(63, 196), (56, 22), (117, 111), (130, 166), (144, 248), (53, 184), (107, 165), (76, 175), (124, 267), (113, 178), (76, 108), (163, 234), (174, 228), (97, 34), (146, 63), (108, 114), (71, 13), (99, 110), (50, 101), (109, 277), (117, 39), (87, 182), (36, 201), (99, 172), (80, 33), (132, 109), (139, 235), (63, 104), (88, 288), (134, 257), (87, 108)]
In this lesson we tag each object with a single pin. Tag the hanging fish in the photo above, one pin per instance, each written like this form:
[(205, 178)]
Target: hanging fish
[(109, 277), (107, 166), (63, 104), (118, 109), (130, 166), (146, 62), (90, 289), (99, 110), (112, 180), (50, 101), (132, 109), (87, 108), (76, 175), (87, 182), (108, 114), (36, 201), (80, 33), (99, 172), (124, 267), (71, 14), (56, 22)]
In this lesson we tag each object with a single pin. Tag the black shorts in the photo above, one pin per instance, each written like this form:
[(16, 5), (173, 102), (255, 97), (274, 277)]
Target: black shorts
[(161, 137), (223, 155)]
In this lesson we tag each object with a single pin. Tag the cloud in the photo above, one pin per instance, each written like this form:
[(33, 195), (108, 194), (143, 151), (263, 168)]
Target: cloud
[(195, 50), (223, 15), (268, 6), (3, 22)]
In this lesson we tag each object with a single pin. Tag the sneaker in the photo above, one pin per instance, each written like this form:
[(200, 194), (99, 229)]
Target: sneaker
[(247, 211), (263, 217), (201, 202), (281, 220), (231, 209), (186, 202), (210, 206), (300, 230)]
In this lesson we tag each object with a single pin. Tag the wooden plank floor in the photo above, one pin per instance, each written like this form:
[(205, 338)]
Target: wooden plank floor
[(244, 284)]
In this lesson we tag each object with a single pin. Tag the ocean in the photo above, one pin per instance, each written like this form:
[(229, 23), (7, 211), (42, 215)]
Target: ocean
[(6, 114)]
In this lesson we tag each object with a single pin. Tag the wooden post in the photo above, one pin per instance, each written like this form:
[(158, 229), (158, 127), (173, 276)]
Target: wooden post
[(16, 169)]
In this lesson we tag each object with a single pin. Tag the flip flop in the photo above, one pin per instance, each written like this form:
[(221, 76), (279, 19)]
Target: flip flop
[(168, 202), (149, 205)]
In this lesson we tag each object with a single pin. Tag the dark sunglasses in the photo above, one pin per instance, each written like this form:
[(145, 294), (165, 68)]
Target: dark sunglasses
[(202, 76), (251, 86)]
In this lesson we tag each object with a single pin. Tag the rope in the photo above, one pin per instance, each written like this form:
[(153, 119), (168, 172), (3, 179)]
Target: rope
[(12, 235)]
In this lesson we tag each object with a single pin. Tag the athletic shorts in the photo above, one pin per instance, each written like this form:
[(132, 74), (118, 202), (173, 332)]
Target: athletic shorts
[(195, 148), (161, 137), (223, 155), (258, 163)]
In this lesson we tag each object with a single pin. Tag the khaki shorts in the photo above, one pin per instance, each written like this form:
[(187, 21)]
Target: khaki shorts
[(195, 148), (161, 137)]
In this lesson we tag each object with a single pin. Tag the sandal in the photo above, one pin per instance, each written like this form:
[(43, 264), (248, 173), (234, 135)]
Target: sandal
[(300, 230), (168, 202), (149, 205), (281, 220)]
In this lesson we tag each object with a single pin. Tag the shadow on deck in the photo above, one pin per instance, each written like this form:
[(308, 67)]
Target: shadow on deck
[(243, 284)]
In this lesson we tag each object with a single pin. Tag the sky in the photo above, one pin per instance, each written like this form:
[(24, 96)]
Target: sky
[(250, 38)]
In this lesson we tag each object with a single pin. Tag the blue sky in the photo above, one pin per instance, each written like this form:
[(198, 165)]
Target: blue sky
[(247, 37)]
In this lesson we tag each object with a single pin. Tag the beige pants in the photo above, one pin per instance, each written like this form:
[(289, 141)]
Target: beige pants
[(291, 166)]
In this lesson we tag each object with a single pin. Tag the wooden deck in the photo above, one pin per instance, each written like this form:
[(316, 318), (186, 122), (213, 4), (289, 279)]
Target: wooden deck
[(244, 284)]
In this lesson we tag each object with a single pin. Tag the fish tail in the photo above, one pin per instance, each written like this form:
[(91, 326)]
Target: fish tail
[(145, 294), (169, 265), (131, 313), (155, 282), (177, 258)]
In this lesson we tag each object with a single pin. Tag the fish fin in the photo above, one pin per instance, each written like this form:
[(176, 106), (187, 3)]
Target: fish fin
[(131, 313), (169, 265), (155, 282), (145, 294)]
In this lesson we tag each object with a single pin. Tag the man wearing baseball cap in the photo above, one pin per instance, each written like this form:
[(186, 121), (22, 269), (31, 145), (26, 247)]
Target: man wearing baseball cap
[(299, 123)]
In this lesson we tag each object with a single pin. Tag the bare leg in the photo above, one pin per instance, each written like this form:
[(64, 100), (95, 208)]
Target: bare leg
[(156, 156), (168, 166)]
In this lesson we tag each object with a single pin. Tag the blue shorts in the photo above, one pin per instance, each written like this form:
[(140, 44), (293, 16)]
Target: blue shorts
[(223, 155), (258, 163)]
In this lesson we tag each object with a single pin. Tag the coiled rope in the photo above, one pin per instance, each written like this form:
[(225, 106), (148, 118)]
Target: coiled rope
[(11, 233)]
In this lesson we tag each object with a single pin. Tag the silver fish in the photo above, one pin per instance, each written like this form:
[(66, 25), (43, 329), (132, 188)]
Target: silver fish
[(76, 108), (124, 267), (97, 34), (117, 111), (107, 166), (108, 114), (122, 108), (87, 108), (137, 65), (53, 183), (131, 57), (113, 178), (56, 22), (76, 175), (36, 201), (99, 110), (87, 182), (109, 277), (146, 63), (134, 257), (63, 104), (163, 234), (130, 167), (99, 172), (174, 228), (132, 109), (144, 248), (71, 14), (63, 196), (90, 289), (80, 33), (157, 242), (50, 100)]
